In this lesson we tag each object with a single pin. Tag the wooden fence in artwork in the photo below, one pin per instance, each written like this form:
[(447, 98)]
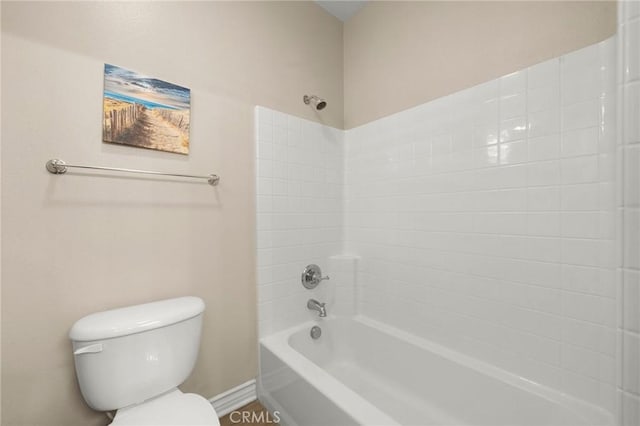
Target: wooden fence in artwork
[(119, 119)]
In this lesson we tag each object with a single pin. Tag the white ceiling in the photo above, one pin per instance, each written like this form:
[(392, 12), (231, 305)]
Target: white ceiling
[(342, 9)]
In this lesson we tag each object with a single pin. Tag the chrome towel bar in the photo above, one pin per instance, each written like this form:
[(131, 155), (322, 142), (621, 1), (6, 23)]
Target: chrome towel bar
[(58, 167)]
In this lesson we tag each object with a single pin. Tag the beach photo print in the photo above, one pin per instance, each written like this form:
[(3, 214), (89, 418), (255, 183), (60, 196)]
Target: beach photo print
[(145, 112)]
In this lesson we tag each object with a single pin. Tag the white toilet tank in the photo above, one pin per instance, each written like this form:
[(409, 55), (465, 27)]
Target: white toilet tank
[(128, 355)]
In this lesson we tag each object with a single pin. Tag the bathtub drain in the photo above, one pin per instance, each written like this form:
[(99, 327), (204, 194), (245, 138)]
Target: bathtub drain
[(316, 332)]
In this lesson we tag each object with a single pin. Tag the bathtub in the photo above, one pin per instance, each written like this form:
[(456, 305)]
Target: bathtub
[(362, 372)]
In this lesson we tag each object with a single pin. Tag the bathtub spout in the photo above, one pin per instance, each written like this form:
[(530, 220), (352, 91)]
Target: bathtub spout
[(314, 305)]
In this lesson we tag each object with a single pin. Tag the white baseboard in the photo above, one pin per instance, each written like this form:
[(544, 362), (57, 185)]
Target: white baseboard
[(235, 398)]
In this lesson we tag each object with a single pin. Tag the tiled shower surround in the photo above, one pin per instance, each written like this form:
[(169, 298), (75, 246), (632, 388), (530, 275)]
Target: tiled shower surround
[(299, 212), (484, 221)]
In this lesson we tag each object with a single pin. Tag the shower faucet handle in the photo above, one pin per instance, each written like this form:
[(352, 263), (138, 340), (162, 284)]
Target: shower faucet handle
[(311, 276)]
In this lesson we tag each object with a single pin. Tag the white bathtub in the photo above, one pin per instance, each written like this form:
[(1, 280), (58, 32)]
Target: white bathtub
[(361, 372)]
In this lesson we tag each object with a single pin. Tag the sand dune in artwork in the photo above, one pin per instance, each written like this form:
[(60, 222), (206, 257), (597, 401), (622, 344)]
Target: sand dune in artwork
[(133, 124)]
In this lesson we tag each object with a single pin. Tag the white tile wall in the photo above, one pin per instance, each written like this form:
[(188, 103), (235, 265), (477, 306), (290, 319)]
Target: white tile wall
[(299, 215), (485, 221), (629, 211), (340, 291)]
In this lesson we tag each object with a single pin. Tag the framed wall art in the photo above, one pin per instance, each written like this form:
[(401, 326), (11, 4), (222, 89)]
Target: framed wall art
[(145, 112)]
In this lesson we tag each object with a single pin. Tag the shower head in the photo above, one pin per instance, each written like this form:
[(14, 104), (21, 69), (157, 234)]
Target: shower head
[(316, 102)]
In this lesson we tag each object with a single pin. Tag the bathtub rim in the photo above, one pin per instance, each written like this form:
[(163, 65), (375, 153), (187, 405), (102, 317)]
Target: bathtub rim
[(279, 345), (595, 413)]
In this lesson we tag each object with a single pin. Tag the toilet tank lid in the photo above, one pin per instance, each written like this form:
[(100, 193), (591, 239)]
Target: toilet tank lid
[(135, 319)]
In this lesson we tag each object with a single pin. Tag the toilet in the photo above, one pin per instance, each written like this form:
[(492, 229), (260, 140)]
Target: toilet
[(133, 359)]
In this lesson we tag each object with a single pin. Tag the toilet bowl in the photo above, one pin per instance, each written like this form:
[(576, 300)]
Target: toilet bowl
[(132, 359)]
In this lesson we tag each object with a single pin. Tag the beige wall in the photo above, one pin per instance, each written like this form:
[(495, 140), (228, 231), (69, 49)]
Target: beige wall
[(401, 54), (73, 245)]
